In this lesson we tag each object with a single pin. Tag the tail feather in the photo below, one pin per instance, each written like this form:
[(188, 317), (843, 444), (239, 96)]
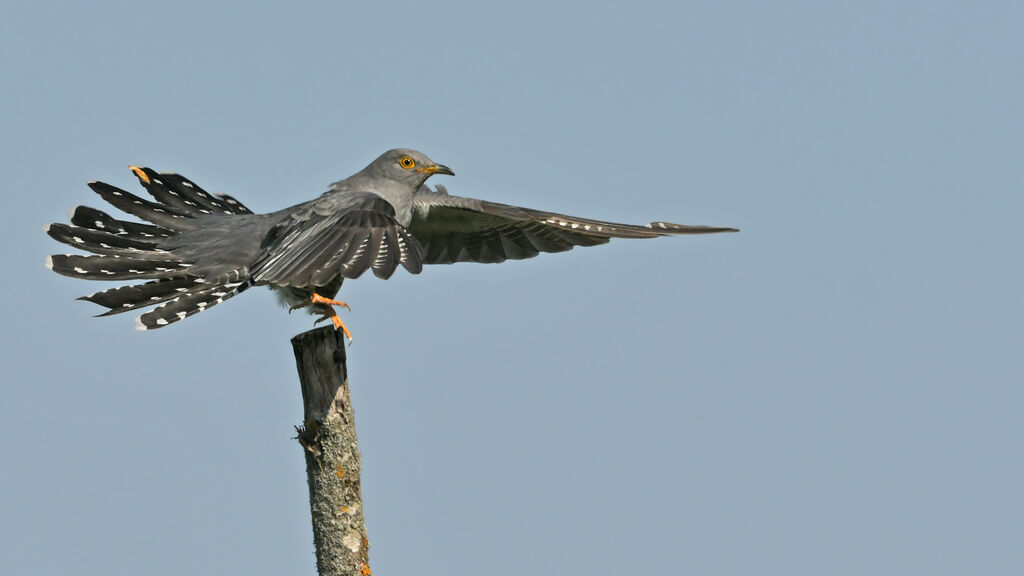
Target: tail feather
[(99, 242), (116, 267), (159, 214), (125, 298), (185, 305), (234, 205), (131, 250), (180, 192), (99, 220), (157, 187)]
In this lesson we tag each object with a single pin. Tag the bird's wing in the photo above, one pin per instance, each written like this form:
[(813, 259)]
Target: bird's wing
[(455, 229), (336, 235)]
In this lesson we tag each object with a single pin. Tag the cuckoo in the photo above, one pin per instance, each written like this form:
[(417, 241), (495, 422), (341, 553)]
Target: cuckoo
[(197, 249)]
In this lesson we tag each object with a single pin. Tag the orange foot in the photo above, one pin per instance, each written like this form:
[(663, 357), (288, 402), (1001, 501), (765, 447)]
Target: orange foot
[(318, 299), (330, 313)]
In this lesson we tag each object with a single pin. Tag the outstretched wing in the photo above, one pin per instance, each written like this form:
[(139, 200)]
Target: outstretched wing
[(336, 236), (455, 229)]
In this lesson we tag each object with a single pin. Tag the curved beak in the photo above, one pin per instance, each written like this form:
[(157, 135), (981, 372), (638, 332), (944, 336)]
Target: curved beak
[(436, 169)]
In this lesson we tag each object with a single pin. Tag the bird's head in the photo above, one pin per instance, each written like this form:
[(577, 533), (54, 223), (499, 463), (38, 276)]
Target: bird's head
[(406, 166)]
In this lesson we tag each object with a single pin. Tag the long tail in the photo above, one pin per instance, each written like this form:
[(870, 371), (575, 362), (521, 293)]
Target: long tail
[(129, 250)]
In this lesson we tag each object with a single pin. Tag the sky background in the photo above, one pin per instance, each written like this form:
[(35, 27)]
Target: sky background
[(834, 390)]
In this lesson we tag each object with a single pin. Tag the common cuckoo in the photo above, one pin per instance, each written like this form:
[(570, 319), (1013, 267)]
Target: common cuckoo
[(200, 249)]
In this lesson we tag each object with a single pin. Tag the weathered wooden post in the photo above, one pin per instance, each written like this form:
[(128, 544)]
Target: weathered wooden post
[(328, 435)]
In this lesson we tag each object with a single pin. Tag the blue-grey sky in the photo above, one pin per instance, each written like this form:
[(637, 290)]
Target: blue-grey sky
[(835, 390)]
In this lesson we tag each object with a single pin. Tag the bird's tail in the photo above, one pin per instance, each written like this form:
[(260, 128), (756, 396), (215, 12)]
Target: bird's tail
[(130, 250)]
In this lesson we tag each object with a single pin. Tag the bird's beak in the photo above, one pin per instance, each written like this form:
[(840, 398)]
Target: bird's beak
[(436, 169)]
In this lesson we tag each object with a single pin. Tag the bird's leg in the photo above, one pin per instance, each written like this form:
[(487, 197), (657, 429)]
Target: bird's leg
[(330, 313)]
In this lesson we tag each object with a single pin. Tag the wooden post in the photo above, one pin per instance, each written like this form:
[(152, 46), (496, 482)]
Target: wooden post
[(328, 435)]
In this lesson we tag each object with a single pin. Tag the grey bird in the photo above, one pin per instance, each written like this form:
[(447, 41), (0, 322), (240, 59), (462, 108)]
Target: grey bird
[(200, 249)]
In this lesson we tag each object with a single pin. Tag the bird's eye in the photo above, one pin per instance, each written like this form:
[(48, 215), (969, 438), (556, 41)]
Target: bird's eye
[(407, 162)]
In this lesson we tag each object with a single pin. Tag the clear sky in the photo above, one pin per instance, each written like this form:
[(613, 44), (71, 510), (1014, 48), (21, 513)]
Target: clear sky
[(835, 390)]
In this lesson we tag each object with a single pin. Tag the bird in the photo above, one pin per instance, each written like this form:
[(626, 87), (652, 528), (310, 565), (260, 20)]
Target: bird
[(197, 249)]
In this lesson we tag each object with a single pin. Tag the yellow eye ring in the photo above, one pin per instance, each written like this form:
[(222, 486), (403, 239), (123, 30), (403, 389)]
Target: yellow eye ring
[(407, 162)]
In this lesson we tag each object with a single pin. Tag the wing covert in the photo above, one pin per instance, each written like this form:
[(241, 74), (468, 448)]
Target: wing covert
[(316, 245)]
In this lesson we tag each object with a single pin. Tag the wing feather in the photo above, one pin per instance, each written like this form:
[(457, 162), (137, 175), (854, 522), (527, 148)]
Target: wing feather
[(342, 237), (456, 229)]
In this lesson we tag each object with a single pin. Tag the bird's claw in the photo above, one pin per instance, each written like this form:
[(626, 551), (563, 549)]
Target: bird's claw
[(336, 320), (329, 313), (318, 299)]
